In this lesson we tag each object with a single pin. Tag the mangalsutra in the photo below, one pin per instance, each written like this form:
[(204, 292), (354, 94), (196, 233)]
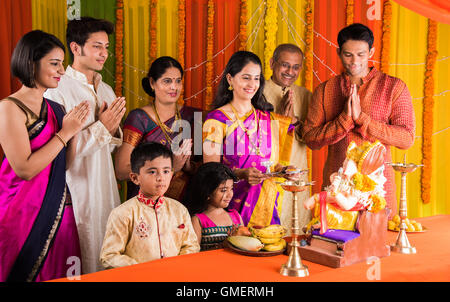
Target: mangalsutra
[(246, 131), (166, 130)]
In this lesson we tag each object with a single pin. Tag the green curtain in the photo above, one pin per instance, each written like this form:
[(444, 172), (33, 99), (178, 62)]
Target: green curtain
[(103, 9)]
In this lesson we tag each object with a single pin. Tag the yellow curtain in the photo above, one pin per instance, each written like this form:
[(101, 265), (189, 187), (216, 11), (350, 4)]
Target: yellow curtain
[(167, 28), (136, 46), (408, 52), (51, 16)]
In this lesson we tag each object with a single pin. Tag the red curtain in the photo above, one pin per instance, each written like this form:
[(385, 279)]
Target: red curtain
[(15, 21), (226, 27)]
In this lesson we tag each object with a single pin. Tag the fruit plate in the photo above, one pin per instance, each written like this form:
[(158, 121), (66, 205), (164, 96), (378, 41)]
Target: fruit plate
[(424, 229), (260, 253)]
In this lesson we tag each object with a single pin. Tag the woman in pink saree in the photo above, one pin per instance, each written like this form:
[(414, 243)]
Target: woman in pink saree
[(37, 228), (243, 133)]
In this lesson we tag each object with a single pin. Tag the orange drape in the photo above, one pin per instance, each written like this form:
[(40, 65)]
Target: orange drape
[(437, 10), (226, 28), (15, 21)]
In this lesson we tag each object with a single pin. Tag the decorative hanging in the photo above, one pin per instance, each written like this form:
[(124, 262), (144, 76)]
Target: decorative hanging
[(243, 26), (270, 30), (309, 36), (119, 49), (386, 37), (209, 54), (181, 38), (350, 12), (428, 104), (153, 37)]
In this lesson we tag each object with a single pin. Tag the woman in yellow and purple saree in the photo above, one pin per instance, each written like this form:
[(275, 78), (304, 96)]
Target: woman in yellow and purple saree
[(243, 133)]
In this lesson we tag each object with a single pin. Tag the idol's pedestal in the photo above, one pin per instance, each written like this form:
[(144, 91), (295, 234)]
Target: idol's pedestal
[(338, 248)]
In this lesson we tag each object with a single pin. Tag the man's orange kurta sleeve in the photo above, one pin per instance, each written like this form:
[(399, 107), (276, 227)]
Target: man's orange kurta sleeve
[(400, 130), (318, 131)]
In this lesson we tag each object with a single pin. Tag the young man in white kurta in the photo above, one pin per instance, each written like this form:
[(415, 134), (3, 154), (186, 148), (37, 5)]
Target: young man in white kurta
[(286, 65), (91, 178)]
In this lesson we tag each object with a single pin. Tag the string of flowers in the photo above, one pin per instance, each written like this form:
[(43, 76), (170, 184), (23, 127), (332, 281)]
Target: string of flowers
[(153, 21), (386, 36), (349, 12), (209, 54), (309, 36), (181, 38), (270, 30), (428, 104), (243, 25), (119, 49)]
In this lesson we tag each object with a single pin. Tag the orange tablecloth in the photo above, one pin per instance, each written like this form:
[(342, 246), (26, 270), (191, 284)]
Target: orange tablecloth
[(431, 263)]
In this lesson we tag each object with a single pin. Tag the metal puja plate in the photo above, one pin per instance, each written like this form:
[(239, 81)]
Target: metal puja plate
[(260, 253)]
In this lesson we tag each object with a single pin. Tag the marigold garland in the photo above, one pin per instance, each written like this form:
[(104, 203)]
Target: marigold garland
[(350, 12), (209, 54), (119, 48), (308, 60), (386, 36), (181, 38), (153, 36), (243, 25), (308, 63), (270, 30), (428, 104)]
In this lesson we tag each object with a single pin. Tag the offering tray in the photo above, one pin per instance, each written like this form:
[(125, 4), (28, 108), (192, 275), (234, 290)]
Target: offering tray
[(259, 253)]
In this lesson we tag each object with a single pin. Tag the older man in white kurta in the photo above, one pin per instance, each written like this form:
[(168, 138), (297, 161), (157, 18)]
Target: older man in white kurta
[(291, 100), (91, 177)]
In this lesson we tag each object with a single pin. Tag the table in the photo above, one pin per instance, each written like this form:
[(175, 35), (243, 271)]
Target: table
[(431, 263)]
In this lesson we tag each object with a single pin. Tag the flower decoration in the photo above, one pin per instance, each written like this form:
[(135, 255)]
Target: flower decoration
[(309, 44), (243, 25), (350, 12), (181, 38), (153, 36), (386, 37), (428, 104), (209, 54), (119, 48), (270, 29)]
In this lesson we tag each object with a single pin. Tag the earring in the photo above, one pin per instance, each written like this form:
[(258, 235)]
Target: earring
[(230, 88)]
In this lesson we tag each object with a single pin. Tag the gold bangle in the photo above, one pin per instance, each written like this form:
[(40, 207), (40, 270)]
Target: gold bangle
[(61, 139)]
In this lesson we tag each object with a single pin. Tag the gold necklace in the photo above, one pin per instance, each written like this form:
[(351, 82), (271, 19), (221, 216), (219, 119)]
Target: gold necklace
[(166, 130), (246, 131)]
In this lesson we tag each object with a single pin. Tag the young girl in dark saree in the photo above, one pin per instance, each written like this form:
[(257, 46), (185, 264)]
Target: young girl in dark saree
[(38, 235)]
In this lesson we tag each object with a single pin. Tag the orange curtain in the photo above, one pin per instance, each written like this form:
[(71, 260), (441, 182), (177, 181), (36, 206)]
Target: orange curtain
[(15, 21), (437, 10), (226, 29)]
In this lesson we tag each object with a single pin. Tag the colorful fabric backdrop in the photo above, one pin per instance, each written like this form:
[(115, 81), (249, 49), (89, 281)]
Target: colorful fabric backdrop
[(202, 35)]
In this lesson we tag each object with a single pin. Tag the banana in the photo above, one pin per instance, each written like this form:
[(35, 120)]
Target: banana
[(271, 231), (246, 243), (269, 240), (277, 246)]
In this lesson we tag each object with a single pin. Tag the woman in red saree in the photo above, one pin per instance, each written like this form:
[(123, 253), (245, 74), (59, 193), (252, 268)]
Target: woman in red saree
[(159, 121), (38, 234)]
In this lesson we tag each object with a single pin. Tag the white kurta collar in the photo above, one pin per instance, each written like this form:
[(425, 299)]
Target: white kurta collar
[(79, 76)]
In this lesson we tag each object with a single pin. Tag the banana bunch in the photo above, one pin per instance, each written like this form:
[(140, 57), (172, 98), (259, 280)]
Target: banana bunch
[(271, 236)]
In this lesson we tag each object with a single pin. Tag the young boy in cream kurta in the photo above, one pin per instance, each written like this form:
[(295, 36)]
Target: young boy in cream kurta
[(148, 226)]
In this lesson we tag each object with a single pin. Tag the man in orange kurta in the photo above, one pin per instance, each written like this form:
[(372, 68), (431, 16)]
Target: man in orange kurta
[(361, 104)]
